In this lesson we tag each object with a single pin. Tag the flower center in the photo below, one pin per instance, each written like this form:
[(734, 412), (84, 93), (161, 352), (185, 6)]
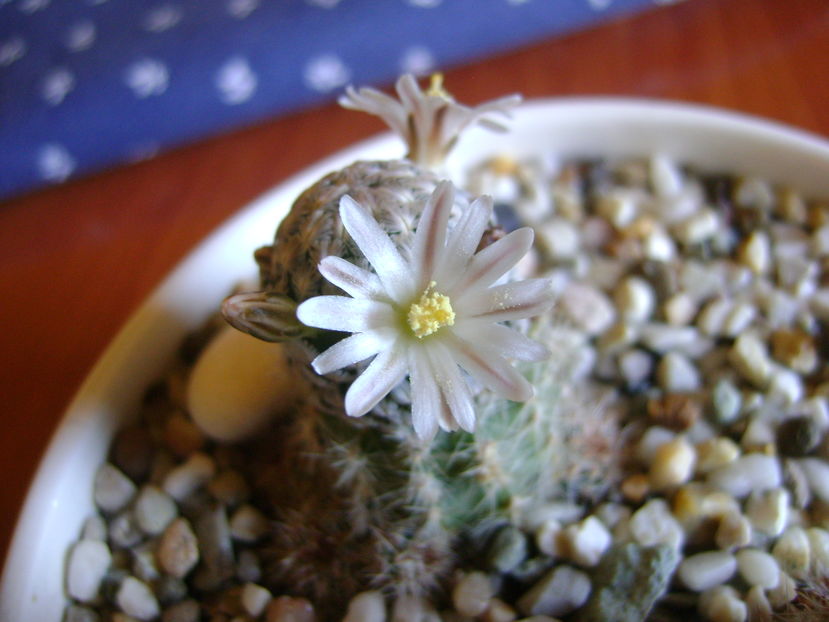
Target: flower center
[(431, 313)]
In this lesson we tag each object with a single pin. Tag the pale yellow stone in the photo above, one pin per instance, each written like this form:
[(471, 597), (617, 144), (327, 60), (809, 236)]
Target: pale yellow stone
[(673, 464)]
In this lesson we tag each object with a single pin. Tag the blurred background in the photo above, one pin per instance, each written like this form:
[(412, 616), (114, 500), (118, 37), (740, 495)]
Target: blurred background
[(129, 129)]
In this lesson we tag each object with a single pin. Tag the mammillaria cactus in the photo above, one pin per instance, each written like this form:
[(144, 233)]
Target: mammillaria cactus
[(368, 492)]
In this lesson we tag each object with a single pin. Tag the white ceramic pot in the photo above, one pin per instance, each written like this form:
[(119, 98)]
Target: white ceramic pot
[(61, 494)]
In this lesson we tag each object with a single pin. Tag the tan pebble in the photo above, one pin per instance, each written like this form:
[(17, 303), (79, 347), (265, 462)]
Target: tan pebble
[(715, 452), (759, 609), (635, 299), (254, 599), (758, 568), (722, 604), (289, 609), (676, 373), (548, 538), (229, 487), (499, 611), (785, 592), (674, 411), (652, 439), (182, 436), (795, 349), (750, 358), (679, 309), (673, 464), (617, 337), (792, 552), (819, 551), (178, 550), (247, 524), (620, 208), (366, 607), (135, 598), (635, 487), (189, 476), (471, 595), (755, 252), (733, 531)]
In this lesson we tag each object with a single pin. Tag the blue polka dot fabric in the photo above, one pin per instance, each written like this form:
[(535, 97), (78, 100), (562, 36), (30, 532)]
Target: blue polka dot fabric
[(86, 84)]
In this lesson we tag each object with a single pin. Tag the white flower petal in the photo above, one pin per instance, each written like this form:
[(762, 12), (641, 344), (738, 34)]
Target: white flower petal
[(495, 260), (351, 315), (511, 301), (384, 373), (353, 349), (377, 103), (452, 386), (463, 242), (394, 273), (426, 400), (491, 370), (501, 340), (352, 279), (430, 237)]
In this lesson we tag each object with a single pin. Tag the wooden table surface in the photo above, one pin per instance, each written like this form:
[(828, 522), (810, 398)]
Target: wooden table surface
[(77, 259)]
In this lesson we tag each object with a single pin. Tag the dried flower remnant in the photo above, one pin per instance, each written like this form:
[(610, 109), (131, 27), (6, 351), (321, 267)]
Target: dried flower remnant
[(427, 316), (429, 121)]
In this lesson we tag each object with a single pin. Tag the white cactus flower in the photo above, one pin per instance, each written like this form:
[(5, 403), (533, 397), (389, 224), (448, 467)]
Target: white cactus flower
[(429, 121), (432, 317)]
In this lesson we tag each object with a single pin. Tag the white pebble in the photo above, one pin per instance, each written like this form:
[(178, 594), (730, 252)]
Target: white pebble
[(498, 611), (238, 384), (758, 433), (746, 474), (665, 176), (659, 246), (679, 309), (768, 511), (712, 317), (635, 299), (819, 549), (785, 592), (698, 227), (663, 338), (548, 538), (654, 524), (797, 275), (254, 599), (635, 366), (112, 489), (758, 568), (792, 552), (560, 591), (89, 561), (136, 599), (653, 438), (247, 524), (715, 453), (751, 359), (703, 571), (189, 476), (759, 608), (588, 308), (560, 237), (722, 604), (817, 474), (738, 319), (154, 509), (673, 464), (677, 374), (471, 595), (586, 541), (619, 207), (786, 385), (366, 607)]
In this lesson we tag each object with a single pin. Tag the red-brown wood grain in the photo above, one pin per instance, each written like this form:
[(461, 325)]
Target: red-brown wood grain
[(76, 260)]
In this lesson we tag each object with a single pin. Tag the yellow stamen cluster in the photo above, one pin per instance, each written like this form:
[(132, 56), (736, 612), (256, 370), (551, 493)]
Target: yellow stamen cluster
[(431, 313), (436, 88)]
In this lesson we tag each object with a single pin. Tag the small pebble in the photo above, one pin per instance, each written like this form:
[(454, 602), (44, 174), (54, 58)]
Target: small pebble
[(183, 611), (247, 524), (154, 509), (675, 411), (758, 568), (289, 609), (798, 436), (178, 550), (248, 567), (229, 488), (817, 474), (792, 552), (768, 511), (588, 308), (124, 531), (722, 604), (89, 561), (755, 252), (750, 358), (192, 474), (635, 366), (136, 599), (586, 541), (472, 593), (635, 299), (785, 592), (215, 548), (715, 453), (758, 605), (702, 571), (560, 238), (819, 551), (78, 613), (366, 607), (112, 489), (654, 437), (94, 528), (673, 464), (654, 524), (507, 550), (726, 400), (560, 591), (733, 531), (499, 611), (254, 599), (183, 436), (746, 474)]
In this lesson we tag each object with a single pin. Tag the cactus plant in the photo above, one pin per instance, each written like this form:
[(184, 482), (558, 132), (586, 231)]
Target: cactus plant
[(367, 492)]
